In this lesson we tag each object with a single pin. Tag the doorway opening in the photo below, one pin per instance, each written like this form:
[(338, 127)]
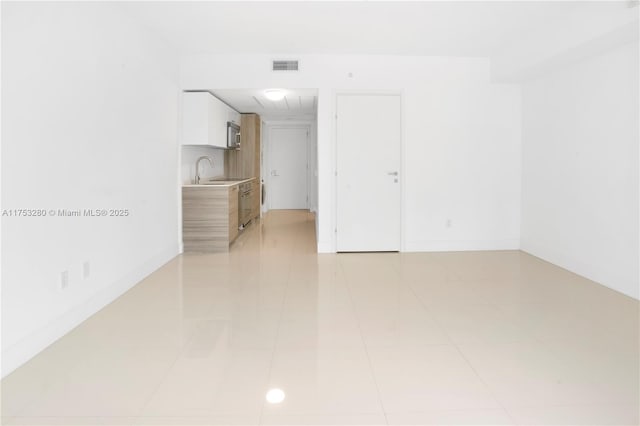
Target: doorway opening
[(288, 145), (287, 171)]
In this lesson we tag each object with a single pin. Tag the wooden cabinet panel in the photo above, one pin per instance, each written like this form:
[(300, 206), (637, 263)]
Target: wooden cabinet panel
[(250, 140), (255, 201), (233, 213), (245, 162), (209, 218)]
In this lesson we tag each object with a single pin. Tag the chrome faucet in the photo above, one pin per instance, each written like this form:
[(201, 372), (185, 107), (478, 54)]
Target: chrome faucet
[(204, 157)]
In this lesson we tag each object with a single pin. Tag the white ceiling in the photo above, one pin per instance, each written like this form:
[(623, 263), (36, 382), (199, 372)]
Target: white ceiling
[(298, 104), (445, 28), (438, 28)]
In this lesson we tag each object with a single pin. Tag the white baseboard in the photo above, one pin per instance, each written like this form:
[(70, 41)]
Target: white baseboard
[(462, 245), (21, 352), (453, 245), (590, 270), (325, 247)]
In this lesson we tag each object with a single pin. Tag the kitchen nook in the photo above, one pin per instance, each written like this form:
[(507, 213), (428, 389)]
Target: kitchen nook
[(216, 209)]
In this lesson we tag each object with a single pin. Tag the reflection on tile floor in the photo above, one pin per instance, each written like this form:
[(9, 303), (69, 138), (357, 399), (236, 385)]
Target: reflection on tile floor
[(352, 339)]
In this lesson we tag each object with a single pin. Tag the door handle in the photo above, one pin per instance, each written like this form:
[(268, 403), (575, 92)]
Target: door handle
[(392, 173)]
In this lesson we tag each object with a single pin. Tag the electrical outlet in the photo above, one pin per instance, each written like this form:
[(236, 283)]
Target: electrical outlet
[(448, 223), (86, 270), (64, 280)]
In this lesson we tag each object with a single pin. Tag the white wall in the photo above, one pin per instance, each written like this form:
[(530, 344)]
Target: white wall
[(89, 120), (313, 170), (461, 139), (586, 27), (580, 168), (191, 153)]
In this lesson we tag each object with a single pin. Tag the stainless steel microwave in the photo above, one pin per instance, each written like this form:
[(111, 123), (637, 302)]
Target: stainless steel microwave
[(233, 135)]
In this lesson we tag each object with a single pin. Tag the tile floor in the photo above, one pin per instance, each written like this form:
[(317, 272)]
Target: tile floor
[(352, 339)]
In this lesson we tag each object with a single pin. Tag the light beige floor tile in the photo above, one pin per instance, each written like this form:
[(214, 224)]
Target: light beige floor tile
[(72, 421), (444, 395), (423, 268), (593, 414), (137, 330), (615, 371), (509, 291), (432, 338), (117, 421), (319, 420), (399, 324), (447, 293), (325, 292), (245, 419), (220, 381), (524, 374), (451, 417), (371, 297), (323, 330), (390, 313), (244, 330), (56, 421), (554, 320), (470, 265), (471, 323), (112, 384), (542, 321), (260, 296), (324, 381), (47, 370), (361, 270), (427, 378)]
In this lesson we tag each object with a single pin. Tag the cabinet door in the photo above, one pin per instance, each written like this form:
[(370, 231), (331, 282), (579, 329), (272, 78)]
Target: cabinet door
[(233, 116), (255, 198), (233, 213), (250, 145), (245, 162), (195, 118), (204, 120), (217, 122), (256, 149)]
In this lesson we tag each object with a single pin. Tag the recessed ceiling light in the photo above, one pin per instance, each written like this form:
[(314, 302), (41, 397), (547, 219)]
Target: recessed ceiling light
[(274, 94), (275, 396)]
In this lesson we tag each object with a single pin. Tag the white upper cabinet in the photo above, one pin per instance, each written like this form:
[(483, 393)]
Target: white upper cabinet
[(204, 119), (233, 116)]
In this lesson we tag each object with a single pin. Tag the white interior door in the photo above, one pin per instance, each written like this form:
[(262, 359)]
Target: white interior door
[(368, 166), (287, 187)]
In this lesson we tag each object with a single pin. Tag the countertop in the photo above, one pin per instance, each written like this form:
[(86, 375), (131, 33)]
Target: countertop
[(219, 183)]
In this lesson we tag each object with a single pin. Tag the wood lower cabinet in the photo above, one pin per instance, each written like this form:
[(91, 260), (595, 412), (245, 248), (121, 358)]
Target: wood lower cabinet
[(209, 217), (233, 213), (255, 201)]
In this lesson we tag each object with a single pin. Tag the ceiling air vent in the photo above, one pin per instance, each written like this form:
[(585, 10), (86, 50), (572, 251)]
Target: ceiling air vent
[(285, 65)]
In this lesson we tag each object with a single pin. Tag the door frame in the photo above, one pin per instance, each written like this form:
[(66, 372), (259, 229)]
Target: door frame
[(402, 168), (268, 147)]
